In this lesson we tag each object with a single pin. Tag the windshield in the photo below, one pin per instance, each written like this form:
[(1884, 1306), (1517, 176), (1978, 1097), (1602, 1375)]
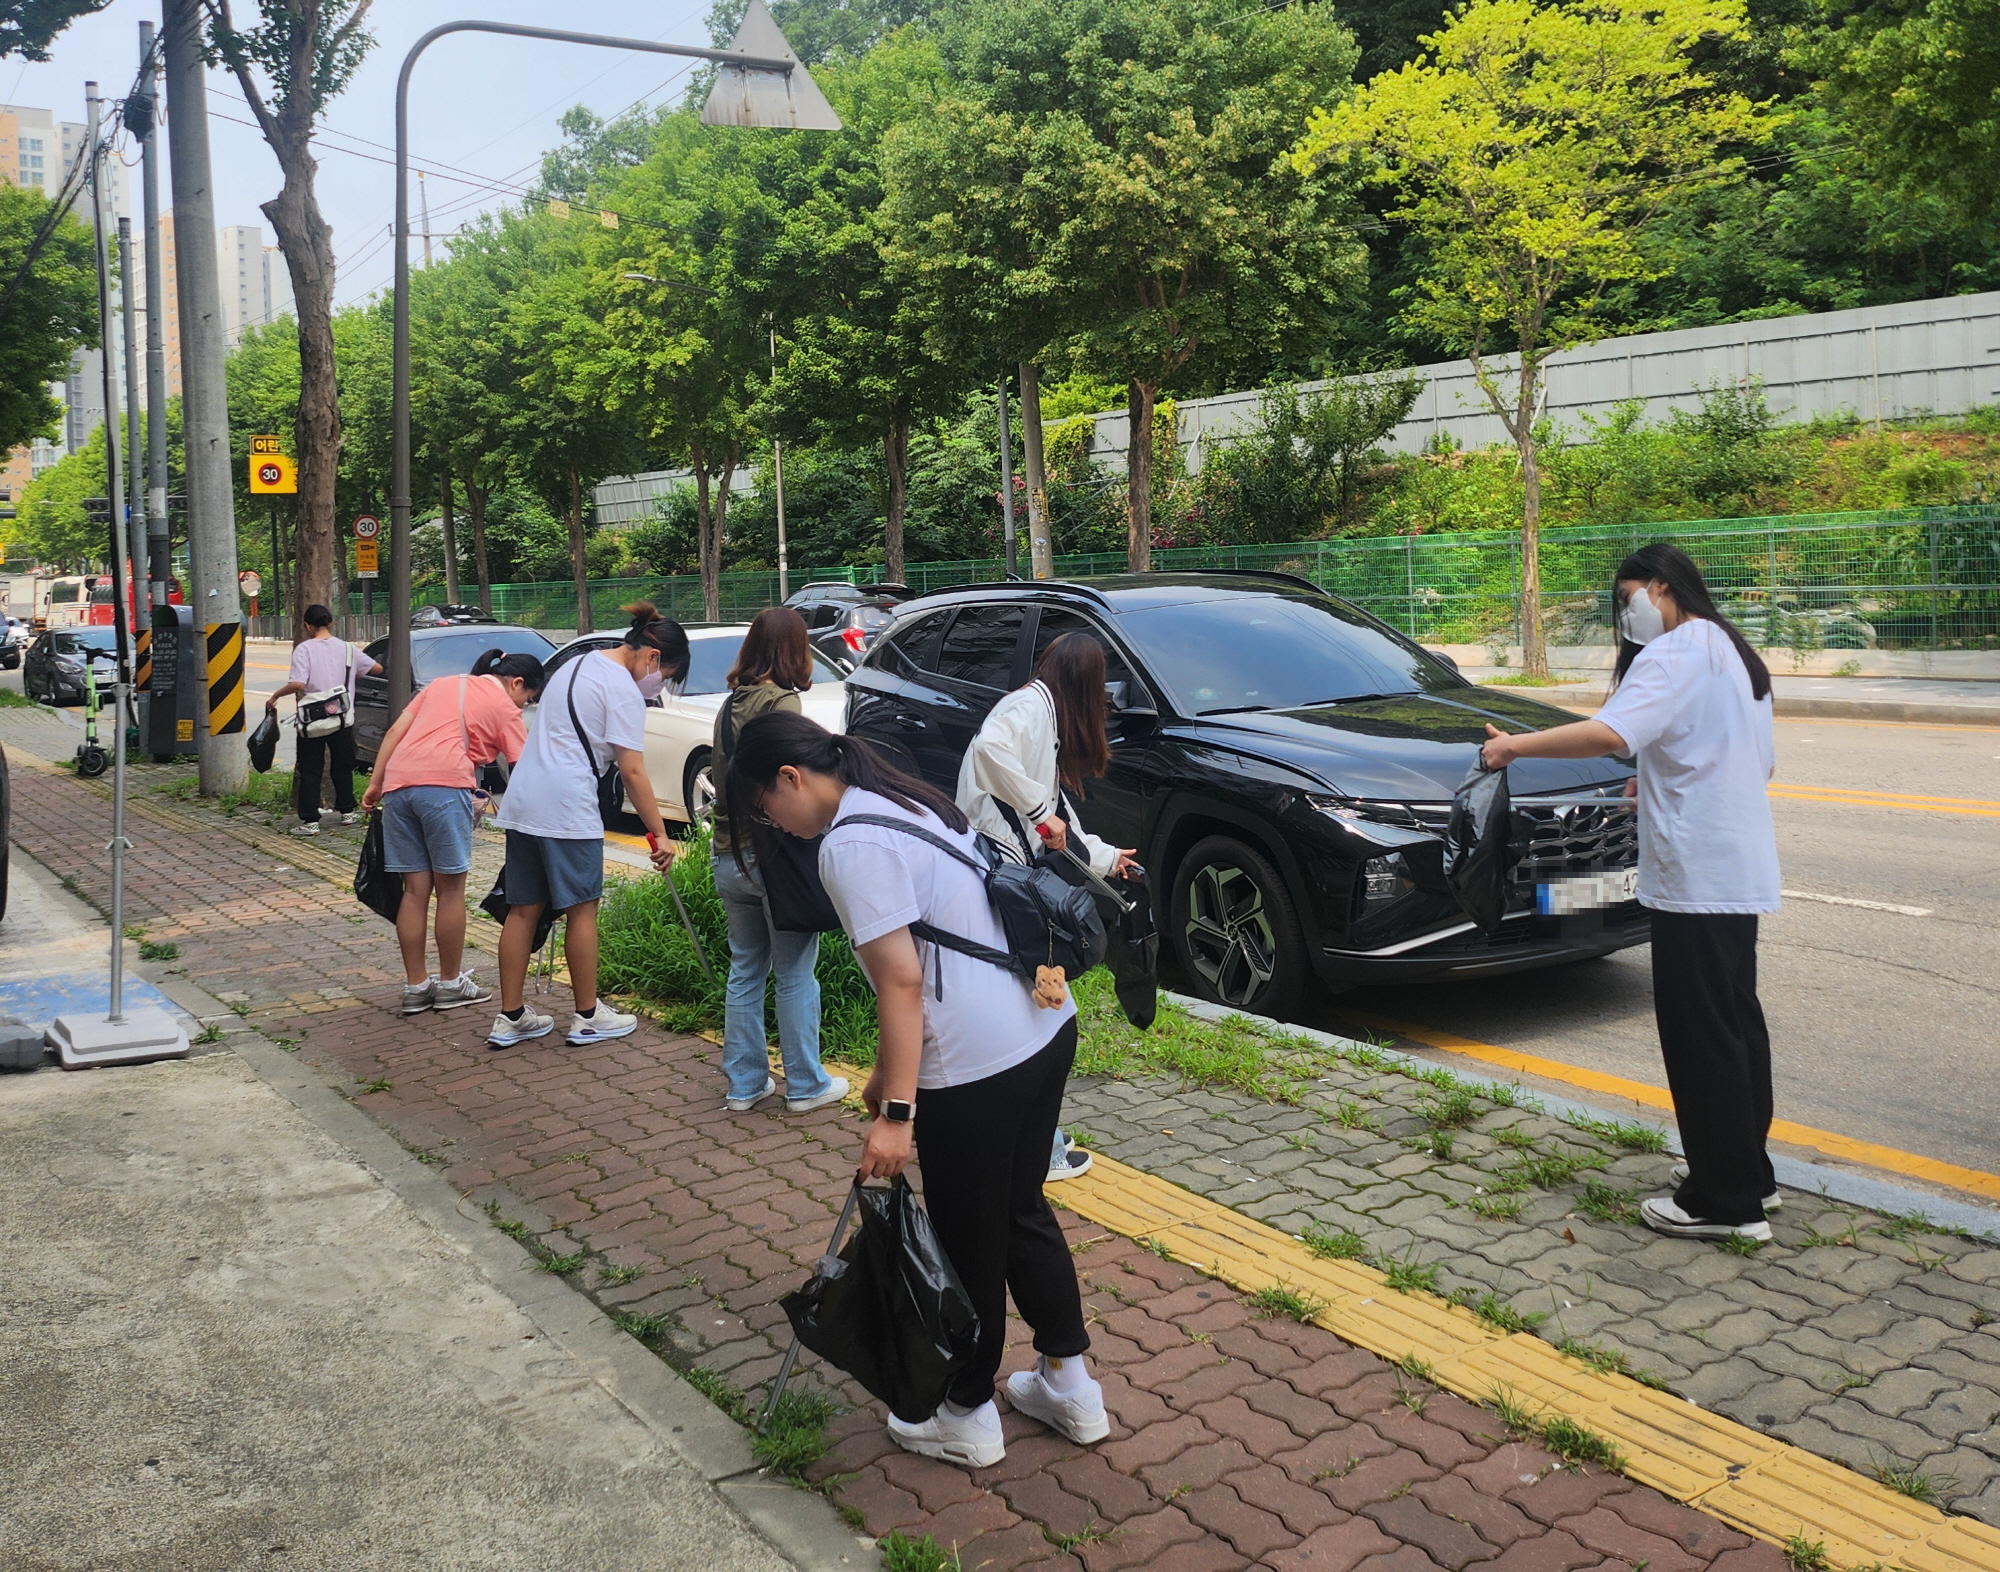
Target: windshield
[(104, 641), (452, 654), (1275, 652), (709, 661)]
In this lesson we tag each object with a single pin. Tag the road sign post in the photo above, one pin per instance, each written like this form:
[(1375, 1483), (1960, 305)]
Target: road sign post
[(367, 558)]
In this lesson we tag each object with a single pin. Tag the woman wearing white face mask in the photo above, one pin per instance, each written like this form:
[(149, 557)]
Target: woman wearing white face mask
[(1693, 702), (592, 714)]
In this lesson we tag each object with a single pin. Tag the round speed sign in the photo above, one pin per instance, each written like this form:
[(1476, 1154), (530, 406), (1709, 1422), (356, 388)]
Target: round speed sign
[(367, 527), (271, 474), (251, 585)]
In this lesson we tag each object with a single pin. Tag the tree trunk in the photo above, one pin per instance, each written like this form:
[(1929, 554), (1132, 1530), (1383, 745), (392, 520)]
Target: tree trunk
[(475, 505), (1041, 550), (445, 523), (1140, 399), (711, 566), (704, 528), (1534, 651), (308, 247), (896, 461), (583, 619)]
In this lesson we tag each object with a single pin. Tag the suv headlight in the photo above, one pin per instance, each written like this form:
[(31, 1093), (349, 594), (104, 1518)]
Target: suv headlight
[(1380, 881)]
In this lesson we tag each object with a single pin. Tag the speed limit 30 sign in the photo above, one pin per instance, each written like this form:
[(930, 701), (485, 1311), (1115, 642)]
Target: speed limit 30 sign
[(367, 527), (272, 474)]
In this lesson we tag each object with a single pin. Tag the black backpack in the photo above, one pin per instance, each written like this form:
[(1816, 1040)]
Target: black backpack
[(1047, 920)]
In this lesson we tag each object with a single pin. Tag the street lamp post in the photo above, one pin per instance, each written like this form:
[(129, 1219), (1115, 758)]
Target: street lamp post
[(761, 83)]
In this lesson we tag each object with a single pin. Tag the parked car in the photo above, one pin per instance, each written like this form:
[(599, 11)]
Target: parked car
[(434, 652), (14, 643), (448, 614), (680, 727), (1284, 764), (843, 620), (52, 669)]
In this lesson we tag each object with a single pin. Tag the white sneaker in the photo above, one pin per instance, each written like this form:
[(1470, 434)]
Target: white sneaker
[(419, 997), (973, 1439), (1679, 1174), (745, 1104), (833, 1094), (1661, 1215), (1074, 1161), (506, 1032), (1077, 1413), (459, 992), (303, 828), (601, 1025)]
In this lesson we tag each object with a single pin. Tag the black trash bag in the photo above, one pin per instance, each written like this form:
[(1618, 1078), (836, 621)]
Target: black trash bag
[(1133, 952), (264, 744), (495, 906), (889, 1309), (374, 885), (1478, 856)]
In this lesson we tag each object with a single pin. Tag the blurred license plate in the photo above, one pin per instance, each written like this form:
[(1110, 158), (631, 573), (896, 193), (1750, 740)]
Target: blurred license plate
[(1585, 892)]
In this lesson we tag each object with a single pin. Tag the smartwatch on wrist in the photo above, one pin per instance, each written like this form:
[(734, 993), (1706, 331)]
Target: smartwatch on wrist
[(896, 1111)]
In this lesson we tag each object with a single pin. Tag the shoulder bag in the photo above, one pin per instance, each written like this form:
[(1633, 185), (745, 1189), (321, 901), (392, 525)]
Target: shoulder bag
[(794, 898), (322, 713)]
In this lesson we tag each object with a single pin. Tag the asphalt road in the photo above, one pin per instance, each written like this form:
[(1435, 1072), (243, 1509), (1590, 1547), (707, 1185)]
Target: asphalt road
[(1885, 1024)]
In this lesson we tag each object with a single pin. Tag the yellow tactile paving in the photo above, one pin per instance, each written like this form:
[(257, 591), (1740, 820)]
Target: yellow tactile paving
[(1760, 1485)]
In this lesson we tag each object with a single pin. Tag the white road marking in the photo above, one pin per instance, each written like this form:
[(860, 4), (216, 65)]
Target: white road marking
[(1848, 900)]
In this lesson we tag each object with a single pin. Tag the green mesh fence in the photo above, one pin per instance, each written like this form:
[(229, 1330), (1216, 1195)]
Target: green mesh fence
[(1912, 578)]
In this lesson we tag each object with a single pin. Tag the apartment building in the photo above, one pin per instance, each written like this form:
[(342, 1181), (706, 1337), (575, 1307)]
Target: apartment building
[(256, 285)]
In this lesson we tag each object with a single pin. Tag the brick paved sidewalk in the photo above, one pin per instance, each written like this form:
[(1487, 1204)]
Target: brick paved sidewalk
[(1237, 1440)]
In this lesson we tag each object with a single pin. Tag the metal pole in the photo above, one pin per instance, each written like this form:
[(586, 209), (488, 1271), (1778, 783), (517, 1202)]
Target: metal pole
[(778, 478), (121, 686), (1006, 481), (159, 546), (211, 508), (135, 481), (399, 400)]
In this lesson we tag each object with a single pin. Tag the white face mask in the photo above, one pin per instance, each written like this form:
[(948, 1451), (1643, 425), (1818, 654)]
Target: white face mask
[(1641, 621), (651, 684)]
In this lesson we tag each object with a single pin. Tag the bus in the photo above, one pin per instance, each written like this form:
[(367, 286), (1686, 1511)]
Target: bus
[(84, 600)]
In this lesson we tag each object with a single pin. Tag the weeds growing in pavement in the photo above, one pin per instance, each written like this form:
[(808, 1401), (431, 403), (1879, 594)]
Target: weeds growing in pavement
[(1608, 1204), (1415, 1399), (1350, 1115), (1981, 1317), (618, 1276), (1501, 1316), (1852, 1381), (1739, 1244), (507, 1225), (1158, 1247), (1574, 1443), (1089, 1534), (1407, 1276), (376, 1085), (1282, 1299), (711, 1386), (1515, 1137), (1610, 1361), (1451, 1110), (1504, 1094), (1913, 1223), (795, 1437), (1438, 1144), (648, 1329), (1547, 1170), (1497, 1208), (1331, 1245), (1300, 1140), (1807, 1555), (211, 1032), (1621, 1132), (1914, 1482), (1514, 1414), (1814, 1239), (563, 1265), (1416, 1368), (149, 950), (1084, 1139), (903, 1554)]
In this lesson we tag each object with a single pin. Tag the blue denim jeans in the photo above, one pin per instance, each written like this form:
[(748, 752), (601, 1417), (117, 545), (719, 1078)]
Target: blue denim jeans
[(756, 950)]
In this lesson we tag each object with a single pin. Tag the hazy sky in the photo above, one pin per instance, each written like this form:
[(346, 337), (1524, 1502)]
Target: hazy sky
[(486, 107)]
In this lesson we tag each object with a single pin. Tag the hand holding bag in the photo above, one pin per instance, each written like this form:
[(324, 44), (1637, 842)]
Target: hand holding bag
[(374, 885), (1478, 856), (264, 744)]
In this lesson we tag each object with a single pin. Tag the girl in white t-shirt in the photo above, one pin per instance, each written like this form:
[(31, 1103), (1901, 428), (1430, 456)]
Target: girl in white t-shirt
[(1693, 702), (963, 1044)]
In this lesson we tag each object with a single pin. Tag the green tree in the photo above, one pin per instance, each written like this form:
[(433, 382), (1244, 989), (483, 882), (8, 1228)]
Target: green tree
[(1529, 150), (290, 63), (1919, 81), (49, 309), (28, 27), (1114, 172), (50, 524)]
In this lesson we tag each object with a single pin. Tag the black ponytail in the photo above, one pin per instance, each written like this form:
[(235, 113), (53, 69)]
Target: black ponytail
[(650, 630), (500, 663), (781, 738), (1661, 563)]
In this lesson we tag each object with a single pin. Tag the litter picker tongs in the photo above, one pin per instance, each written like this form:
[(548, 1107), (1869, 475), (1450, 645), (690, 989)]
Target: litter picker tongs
[(1096, 880), (831, 1256), (687, 922)]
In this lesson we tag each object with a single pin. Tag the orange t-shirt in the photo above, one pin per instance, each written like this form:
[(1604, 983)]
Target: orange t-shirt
[(433, 752)]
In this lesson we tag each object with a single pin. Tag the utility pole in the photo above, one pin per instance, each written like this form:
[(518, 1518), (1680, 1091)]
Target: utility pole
[(1007, 481), (204, 410), (778, 477), (1041, 553), (135, 481), (114, 474)]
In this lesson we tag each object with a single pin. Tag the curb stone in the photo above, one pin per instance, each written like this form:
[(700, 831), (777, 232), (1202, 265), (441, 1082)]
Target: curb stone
[(800, 1524)]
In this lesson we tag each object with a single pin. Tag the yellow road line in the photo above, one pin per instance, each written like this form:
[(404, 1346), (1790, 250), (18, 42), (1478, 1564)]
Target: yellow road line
[(1886, 1158), (1859, 794), (1760, 1485)]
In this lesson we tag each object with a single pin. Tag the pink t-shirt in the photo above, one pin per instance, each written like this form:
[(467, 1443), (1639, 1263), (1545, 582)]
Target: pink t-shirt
[(434, 753)]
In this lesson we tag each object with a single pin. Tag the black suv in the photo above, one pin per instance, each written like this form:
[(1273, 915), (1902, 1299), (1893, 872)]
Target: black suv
[(1284, 764)]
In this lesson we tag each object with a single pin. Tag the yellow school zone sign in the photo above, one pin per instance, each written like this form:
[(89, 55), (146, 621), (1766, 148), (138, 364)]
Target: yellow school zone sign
[(272, 474)]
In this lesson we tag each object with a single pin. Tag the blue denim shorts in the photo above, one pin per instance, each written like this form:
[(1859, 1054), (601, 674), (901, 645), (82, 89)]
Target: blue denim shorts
[(543, 871), (428, 829)]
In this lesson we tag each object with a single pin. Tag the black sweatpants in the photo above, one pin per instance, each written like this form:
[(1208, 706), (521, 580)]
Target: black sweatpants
[(984, 1149), (314, 753), (1718, 1056)]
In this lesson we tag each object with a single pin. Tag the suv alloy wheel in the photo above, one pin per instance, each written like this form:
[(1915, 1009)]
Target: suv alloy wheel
[(1236, 932)]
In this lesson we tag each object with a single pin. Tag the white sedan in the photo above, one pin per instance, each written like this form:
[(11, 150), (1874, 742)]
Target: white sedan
[(680, 727)]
